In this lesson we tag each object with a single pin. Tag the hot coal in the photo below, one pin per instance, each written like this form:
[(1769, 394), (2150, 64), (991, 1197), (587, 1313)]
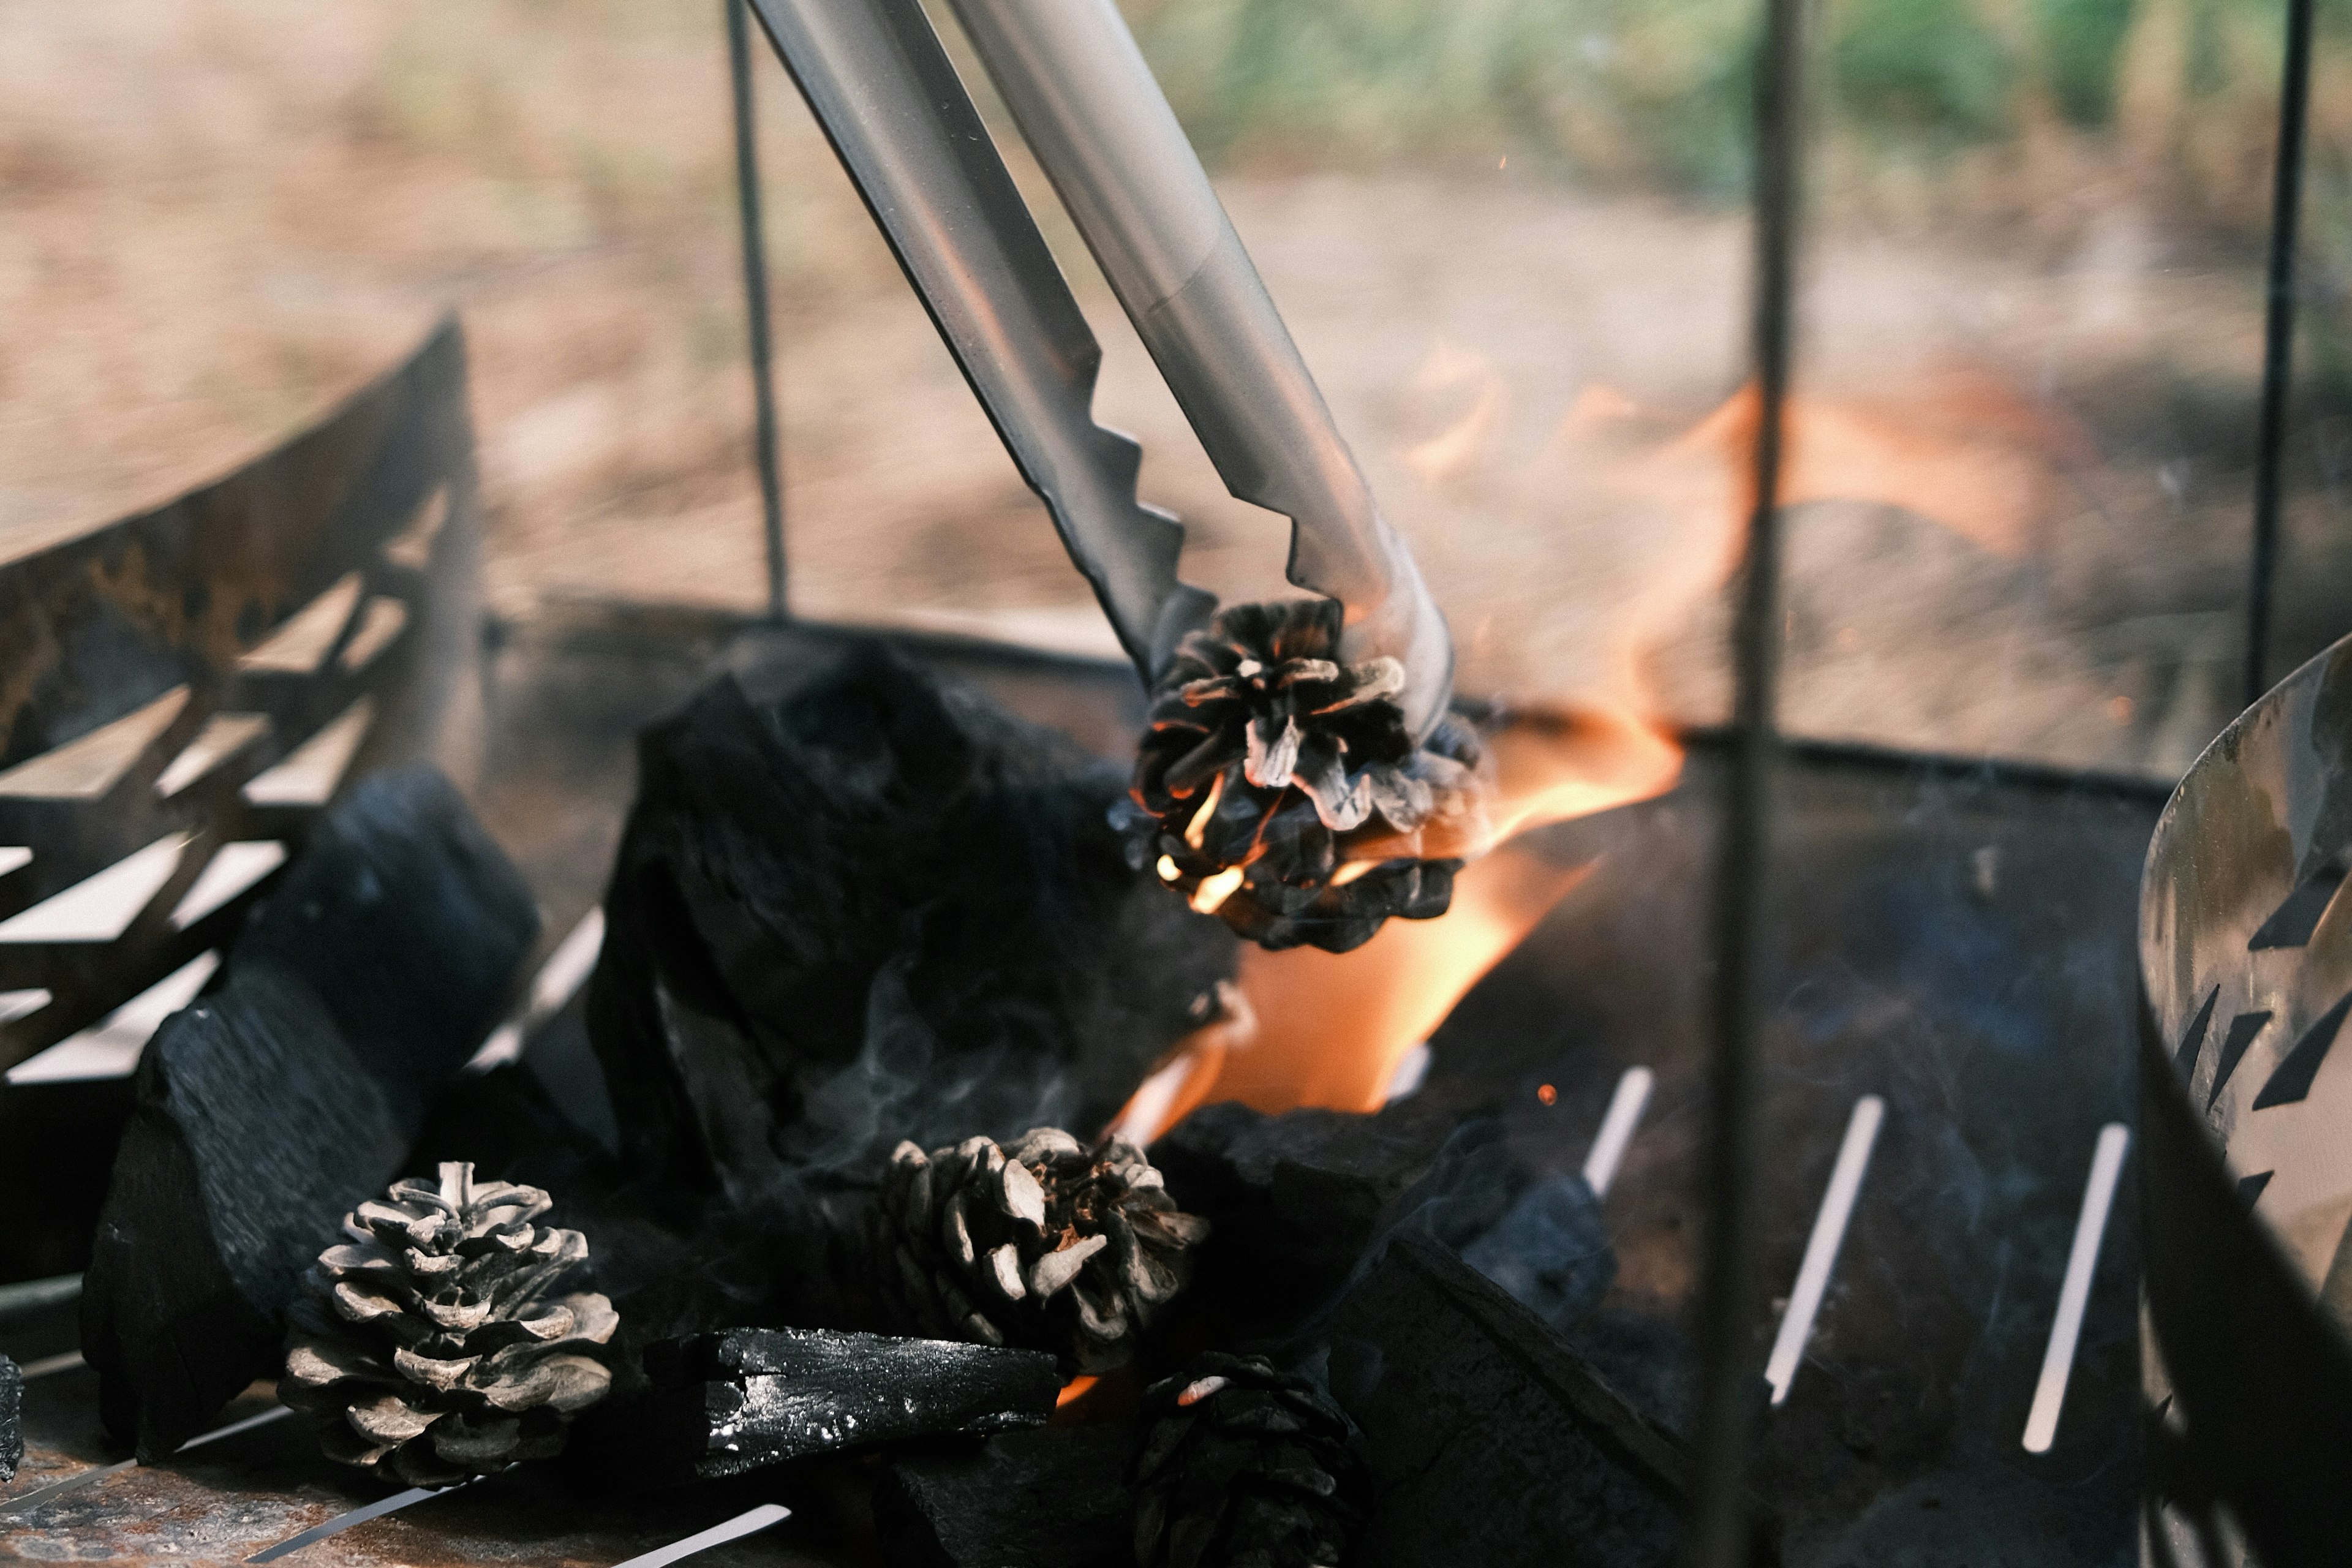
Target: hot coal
[(12, 1415), (1297, 1201), (269, 1109), (1052, 1497), (722, 1403), (1488, 1439), (866, 907)]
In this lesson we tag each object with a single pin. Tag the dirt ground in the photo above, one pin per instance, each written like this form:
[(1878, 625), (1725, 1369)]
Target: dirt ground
[(2023, 453)]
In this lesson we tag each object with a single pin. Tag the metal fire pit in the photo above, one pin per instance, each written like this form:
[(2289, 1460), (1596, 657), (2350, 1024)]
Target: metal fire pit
[(180, 692), (1955, 939), (2246, 953)]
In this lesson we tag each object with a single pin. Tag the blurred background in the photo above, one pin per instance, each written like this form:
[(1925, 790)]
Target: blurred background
[(1510, 236)]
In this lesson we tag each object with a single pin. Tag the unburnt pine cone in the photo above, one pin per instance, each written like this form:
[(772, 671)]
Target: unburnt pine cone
[(1240, 1466), (1045, 1246), (1282, 792), (441, 1340)]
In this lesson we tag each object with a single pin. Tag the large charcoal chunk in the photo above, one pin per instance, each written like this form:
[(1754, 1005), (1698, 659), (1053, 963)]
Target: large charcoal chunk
[(267, 1110), (727, 1403), (1297, 1201), (1056, 1497), (407, 919), (864, 906), (1490, 1442), (12, 1411)]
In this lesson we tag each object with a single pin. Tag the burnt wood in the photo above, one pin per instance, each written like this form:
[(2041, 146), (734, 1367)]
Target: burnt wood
[(1489, 1440), (723, 1404), (1054, 1496), (270, 1108)]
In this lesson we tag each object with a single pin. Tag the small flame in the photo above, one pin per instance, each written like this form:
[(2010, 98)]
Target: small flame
[(1074, 1390)]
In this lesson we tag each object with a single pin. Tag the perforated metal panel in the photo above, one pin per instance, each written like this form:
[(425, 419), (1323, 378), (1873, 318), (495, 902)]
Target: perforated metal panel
[(181, 692)]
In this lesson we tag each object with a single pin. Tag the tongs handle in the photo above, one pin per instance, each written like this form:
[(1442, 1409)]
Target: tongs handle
[(1092, 113)]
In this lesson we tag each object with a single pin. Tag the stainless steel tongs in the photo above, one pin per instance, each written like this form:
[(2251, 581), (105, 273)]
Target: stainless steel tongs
[(897, 113)]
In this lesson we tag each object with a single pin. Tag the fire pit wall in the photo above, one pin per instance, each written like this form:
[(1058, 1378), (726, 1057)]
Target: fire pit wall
[(182, 691), (2246, 955)]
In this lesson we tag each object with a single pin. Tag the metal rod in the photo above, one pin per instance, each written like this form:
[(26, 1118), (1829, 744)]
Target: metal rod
[(755, 301), (2278, 340), (1727, 1394)]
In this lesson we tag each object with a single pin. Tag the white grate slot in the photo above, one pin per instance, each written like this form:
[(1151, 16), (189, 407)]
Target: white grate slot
[(12, 856), (304, 639), (2074, 1290), (101, 907), (380, 623), (223, 736), (87, 767), (1821, 1246), (308, 776), (414, 546), (1617, 1125), (736, 1529), (110, 1047), (237, 868), (15, 1005)]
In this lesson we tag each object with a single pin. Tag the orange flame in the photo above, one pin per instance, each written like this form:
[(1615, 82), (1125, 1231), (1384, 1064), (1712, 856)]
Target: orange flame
[(1307, 1027)]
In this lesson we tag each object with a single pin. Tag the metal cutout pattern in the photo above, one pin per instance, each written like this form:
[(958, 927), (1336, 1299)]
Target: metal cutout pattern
[(189, 685), (2249, 1175)]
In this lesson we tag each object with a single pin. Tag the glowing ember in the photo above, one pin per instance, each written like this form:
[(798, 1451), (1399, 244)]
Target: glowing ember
[(1074, 1390)]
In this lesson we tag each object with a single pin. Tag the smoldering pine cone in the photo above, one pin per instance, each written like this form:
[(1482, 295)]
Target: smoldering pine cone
[(1048, 1245), (1283, 792), (1241, 1466), (442, 1340)]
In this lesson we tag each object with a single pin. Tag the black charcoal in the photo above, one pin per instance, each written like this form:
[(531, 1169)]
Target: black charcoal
[(12, 1414), (1488, 1439), (866, 907), (1054, 1496), (272, 1106), (1297, 1201), (722, 1403)]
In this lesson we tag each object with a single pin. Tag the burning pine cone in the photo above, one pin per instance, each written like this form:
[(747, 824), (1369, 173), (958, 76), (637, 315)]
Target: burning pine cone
[(1242, 1466), (1282, 793), (1048, 1245), (436, 1345)]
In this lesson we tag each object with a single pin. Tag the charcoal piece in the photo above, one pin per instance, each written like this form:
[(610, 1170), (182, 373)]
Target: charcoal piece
[(1295, 1201), (864, 906), (408, 920), (1054, 1497), (1550, 1250), (1489, 1440), (269, 1109), (11, 1413), (722, 1403), (1242, 1463)]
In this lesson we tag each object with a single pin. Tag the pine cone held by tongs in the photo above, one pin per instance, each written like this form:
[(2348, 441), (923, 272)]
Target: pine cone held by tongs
[(1283, 792)]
